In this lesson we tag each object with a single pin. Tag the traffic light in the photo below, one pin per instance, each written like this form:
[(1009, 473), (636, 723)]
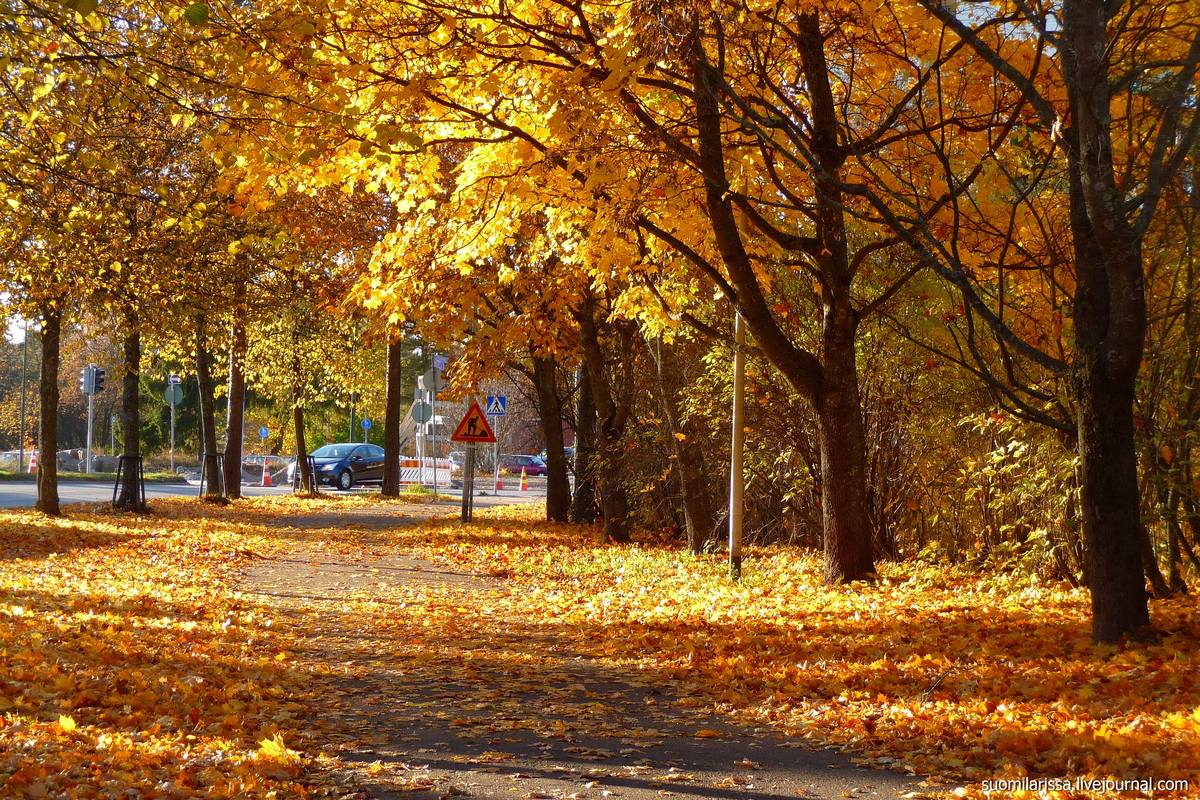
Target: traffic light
[(87, 377), (97, 380)]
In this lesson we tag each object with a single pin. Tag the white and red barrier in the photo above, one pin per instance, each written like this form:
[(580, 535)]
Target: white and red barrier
[(436, 472)]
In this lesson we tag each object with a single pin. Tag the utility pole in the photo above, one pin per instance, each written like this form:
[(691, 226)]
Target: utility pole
[(24, 371), (736, 478), (90, 381)]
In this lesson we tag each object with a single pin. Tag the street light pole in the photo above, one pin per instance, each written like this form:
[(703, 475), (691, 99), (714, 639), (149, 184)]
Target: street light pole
[(736, 478)]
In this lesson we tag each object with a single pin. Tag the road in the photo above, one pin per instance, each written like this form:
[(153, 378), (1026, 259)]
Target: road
[(20, 494)]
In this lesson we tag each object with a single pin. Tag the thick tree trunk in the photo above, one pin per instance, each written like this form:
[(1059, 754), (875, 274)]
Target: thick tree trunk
[(235, 414), (131, 418), (610, 427), (689, 458), (47, 476), (844, 507), (393, 415), (1110, 332), (208, 421), (583, 500), (1109, 501), (558, 483)]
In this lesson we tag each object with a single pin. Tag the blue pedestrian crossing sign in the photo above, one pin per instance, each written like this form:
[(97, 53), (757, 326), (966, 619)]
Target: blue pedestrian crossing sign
[(497, 405), (263, 433)]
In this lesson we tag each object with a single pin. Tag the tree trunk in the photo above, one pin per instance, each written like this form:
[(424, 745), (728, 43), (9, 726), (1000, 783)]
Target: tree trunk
[(235, 415), (583, 500), (697, 506), (829, 382), (1110, 332), (610, 418), (558, 483), (308, 481), (1109, 501), (1175, 581), (131, 419), (392, 418), (208, 422), (47, 476), (844, 507)]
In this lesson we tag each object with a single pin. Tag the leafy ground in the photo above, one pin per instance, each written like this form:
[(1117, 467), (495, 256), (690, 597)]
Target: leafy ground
[(206, 651)]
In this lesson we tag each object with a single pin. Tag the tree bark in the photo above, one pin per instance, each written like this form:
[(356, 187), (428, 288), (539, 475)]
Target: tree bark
[(47, 476), (558, 483), (610, 430), (308, 481), (845, 511), (235, 414), (208, 422), (697, 506), (392, 418), (583, 500), (1110, 332), (130, 497)]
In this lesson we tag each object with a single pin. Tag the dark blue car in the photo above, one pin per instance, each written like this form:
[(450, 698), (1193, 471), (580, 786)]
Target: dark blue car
[(344, 465)]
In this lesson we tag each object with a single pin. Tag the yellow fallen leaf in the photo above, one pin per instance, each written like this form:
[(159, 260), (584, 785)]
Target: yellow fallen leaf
[(275, 750), (707, 733), (66, 723)]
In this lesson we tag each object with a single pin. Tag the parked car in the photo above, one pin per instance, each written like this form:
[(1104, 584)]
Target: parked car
[(568, 451), (344, 465), (514, 463)]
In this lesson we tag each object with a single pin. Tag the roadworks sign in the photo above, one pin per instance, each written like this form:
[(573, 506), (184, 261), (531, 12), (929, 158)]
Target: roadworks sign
[(474, 427)]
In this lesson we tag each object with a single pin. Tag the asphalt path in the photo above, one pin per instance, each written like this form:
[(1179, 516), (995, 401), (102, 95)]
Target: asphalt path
[(18, 494), (23, 494)]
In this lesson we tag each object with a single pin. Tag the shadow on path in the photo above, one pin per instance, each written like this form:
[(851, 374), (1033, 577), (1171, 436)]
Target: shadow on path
[(441, 692)]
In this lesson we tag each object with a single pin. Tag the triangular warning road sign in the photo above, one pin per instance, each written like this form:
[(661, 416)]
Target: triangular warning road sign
[(474, 427)]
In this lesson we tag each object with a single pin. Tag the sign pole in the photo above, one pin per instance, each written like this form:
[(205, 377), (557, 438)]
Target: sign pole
[(24, 372), (433, 420), (736, 478), (172, 436), (468, 483), (88, 461), (496, 460)]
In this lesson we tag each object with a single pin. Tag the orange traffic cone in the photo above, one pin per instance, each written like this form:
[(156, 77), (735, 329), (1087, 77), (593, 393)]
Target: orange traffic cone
[(524, 481), (499, 479), (32, 463), (266, 476)]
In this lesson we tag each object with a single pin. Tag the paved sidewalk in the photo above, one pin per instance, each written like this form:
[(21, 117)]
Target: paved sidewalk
[(444, 695)]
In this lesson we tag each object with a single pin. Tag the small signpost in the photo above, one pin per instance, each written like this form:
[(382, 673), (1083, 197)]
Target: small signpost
[(366, 426), (263, 432), (472, 430)]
